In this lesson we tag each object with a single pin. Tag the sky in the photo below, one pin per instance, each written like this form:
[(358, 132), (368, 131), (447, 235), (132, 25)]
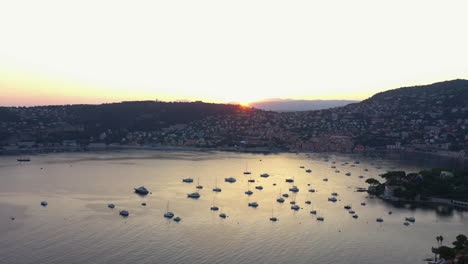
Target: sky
[(65, 52)]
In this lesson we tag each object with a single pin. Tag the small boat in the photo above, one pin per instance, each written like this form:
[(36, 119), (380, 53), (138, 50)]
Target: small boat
[(332, 199), (251, 180), (265, 175), (141, 190), (363, 204), (320, 218), (289, 180), (124, 213), (285, 195), (111, 206), (280, 199), (325, 180), (410, 219), (294, 189), (216, 188), (44, 203), (249, 192), (348, 174), (168, 214), (194, 195), (308, 170), (222, 215), (355, 216), (230, 179), (308, 202), (272, 218), (313, 212), (247, 171), (406, 223), (198, 184), (254, 204), (177, 219), (259, 187), (295, 207), (214, 208), (311, 190), (347, 207), (380, 220), (187, 180)]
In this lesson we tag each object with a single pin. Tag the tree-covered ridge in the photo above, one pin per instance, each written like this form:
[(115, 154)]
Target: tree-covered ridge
[(433, 183), (458, 252)]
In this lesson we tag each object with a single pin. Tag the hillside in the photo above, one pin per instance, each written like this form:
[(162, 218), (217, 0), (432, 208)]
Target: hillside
[(57, 123), (424, 118)]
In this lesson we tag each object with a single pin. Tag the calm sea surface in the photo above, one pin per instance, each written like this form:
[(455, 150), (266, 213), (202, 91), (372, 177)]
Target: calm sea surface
[(78, 227)]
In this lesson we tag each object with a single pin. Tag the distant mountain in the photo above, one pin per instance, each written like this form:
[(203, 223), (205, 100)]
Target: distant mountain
[(291, 105)]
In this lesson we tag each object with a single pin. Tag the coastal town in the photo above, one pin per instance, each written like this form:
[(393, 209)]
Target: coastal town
[(424, 119)]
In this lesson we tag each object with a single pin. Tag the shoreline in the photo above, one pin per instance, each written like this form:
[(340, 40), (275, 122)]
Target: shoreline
[(265, 150)]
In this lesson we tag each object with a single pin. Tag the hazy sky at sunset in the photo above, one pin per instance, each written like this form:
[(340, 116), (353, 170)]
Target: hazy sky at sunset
[(55, 52)]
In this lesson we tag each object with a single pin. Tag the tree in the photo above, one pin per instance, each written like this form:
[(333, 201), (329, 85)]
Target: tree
[(461, 242), (446, 252), (372, 182)]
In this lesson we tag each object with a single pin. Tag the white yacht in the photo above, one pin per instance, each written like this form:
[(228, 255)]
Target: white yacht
[(294, 189), (141, 190), (230, 179), (194, 195), (295, 207), (254, 204), (124, 213)]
